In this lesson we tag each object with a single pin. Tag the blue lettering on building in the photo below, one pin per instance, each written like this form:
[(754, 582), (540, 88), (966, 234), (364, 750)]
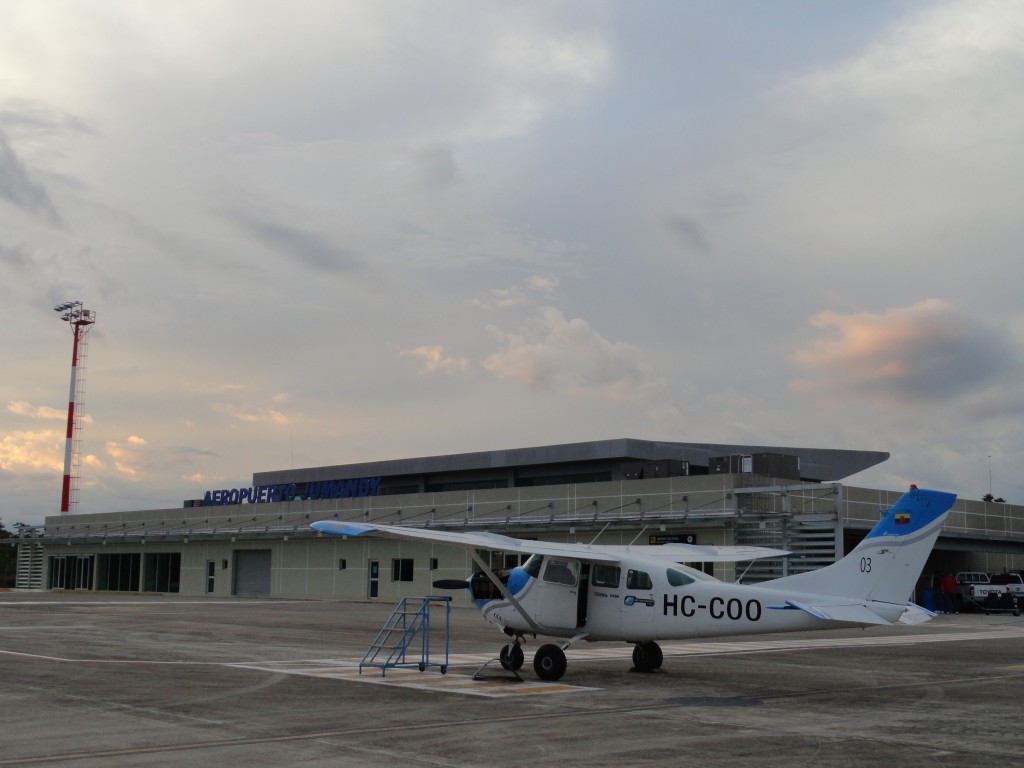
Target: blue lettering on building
[(319, 489)]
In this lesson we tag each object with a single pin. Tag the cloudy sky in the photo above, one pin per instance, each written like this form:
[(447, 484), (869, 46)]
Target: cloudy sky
[(329, 232)]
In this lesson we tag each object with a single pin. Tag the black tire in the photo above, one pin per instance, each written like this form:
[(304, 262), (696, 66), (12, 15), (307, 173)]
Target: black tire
[(647, 657), (511, 656), (549, 662)]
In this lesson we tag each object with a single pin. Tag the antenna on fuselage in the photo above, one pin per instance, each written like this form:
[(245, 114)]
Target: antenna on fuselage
[(594, 540)]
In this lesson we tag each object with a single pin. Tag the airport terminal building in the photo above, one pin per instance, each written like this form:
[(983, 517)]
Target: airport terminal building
[(256, 541)]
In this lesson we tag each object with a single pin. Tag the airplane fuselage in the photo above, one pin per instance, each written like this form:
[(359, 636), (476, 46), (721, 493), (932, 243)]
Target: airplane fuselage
[(635, 602), (640, 594)]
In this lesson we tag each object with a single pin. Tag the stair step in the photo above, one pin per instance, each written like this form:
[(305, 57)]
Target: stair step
[(396, 648)]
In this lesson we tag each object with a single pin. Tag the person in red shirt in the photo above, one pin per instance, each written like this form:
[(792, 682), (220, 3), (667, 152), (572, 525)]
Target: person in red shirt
[(948, 589)]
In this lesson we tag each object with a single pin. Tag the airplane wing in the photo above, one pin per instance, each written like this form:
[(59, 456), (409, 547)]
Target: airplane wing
[(492, 542), (693, 553), (495, 542)]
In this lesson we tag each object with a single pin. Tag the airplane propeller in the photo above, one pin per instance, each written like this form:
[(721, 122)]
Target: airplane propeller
[(451, 584)]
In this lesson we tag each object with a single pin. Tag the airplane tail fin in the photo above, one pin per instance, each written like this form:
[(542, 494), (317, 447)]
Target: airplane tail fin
[(886, 565)]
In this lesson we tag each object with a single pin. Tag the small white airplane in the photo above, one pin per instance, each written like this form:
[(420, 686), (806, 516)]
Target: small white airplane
[(641, 593)]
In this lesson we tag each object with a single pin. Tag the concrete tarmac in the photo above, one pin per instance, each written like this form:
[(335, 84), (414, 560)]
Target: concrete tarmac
[(98, 680)]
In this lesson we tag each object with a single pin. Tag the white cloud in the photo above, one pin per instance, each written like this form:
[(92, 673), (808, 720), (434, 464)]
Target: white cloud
[(32, 451), (924, 353), (22, 408), (127, 460), (436, 360), (565, 356), (252, 413)]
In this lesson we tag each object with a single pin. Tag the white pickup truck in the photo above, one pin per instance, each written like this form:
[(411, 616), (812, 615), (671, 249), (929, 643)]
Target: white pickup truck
[(966, 581), (1004, 591)]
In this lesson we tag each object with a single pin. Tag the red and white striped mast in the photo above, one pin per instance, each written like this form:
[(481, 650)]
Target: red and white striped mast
[(81, 321)]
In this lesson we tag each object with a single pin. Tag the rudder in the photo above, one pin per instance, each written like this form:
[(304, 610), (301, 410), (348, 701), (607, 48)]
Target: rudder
[(886, 565)]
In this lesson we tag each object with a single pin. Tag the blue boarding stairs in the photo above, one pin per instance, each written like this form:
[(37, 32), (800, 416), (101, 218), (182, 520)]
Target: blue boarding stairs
[(405, 638)]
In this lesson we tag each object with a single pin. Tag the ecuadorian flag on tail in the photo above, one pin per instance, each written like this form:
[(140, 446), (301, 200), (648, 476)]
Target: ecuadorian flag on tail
[(916, 509)]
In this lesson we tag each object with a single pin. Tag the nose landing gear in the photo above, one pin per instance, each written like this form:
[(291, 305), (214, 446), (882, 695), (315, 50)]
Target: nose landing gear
[(511, 656), (549, 662)]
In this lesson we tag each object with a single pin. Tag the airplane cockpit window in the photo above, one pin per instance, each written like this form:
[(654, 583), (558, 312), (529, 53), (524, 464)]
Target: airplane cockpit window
[(561, 571), (678, 578), (638, 580), (532, 565), (605, 576)]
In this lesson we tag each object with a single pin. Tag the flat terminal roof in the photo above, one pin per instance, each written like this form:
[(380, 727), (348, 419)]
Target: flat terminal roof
[(819, 464)]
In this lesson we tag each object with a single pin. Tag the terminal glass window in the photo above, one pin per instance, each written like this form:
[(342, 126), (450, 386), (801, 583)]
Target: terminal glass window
[(401, 569), (71, 572), (509, 560), (118, 572), (162, 572)]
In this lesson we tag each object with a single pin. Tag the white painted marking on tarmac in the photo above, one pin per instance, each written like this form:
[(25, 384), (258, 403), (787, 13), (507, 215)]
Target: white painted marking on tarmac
[(155, 601), (493, 686), (412, 679), (769, 646)]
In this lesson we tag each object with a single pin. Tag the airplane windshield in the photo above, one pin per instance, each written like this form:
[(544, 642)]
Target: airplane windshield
[(677, 578), (693, 573), (532, 565)]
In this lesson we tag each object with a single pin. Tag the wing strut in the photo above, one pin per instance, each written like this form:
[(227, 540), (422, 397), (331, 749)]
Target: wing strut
[(486, 570)]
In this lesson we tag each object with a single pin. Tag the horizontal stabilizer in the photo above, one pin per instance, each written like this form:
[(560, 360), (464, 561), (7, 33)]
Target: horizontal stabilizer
[(915, 614), (855, 613)]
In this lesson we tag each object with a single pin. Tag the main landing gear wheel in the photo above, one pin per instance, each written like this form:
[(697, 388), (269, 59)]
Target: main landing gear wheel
[(647, 657), (549, 662), (511, 656)]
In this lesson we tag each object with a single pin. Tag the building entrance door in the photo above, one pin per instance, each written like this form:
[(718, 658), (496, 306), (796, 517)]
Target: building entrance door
[(373, 586)]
